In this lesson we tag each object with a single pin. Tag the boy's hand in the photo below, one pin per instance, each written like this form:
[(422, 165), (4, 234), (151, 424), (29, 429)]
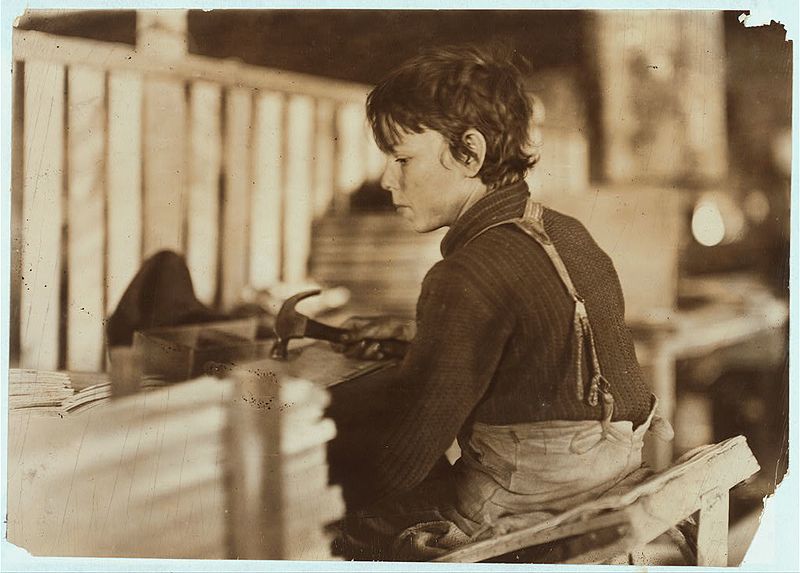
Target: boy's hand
[(366, 332)]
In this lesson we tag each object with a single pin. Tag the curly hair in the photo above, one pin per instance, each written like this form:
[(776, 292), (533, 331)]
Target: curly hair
[(453, 89)]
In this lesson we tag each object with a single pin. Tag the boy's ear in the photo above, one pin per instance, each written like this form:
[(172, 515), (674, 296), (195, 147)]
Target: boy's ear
[(475, 143)]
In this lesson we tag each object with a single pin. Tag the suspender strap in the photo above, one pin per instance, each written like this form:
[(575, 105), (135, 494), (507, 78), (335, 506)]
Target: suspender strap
[(532, 224)]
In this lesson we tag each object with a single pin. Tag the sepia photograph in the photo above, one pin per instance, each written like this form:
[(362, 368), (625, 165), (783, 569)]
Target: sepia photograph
[(492, 286)]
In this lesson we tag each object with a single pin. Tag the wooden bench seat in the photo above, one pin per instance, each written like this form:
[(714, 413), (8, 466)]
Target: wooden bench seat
[(623, 521)]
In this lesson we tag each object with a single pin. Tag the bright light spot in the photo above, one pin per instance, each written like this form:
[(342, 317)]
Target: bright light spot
[(708, 227)]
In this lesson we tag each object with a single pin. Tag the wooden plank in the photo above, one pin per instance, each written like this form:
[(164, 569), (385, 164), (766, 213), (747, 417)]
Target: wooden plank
[(42, 215), (162, 32), (651, 507), (266, 227), (254, 494), (205, 164), (679, 492), (29, 44), (376, 160), (86, 218), (350, 153), (324, 152), (704, 64), (17, 188), (124, 183), (712, 530), (164, 165), (636, 54), (236, 209), (298, 206)]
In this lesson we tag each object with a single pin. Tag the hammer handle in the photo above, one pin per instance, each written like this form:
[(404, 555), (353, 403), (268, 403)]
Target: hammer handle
[(390, 347), (320, 331)]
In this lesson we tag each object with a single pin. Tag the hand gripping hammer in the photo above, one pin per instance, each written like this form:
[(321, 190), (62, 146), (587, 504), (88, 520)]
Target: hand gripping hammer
[(291, 324)]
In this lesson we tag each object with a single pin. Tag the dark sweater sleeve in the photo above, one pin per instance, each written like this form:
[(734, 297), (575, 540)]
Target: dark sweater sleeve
[(462, 327)]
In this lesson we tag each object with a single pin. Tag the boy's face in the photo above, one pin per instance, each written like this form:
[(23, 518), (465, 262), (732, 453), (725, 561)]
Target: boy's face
[(428, 186)]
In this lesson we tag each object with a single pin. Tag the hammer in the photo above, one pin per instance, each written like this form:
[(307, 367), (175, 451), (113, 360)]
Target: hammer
[(291, 324)]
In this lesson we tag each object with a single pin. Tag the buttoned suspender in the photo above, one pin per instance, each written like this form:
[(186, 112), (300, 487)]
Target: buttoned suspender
[(532, 224)]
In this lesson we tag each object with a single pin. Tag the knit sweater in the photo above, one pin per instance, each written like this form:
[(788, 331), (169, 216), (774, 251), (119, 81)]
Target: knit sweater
[(494, 339)]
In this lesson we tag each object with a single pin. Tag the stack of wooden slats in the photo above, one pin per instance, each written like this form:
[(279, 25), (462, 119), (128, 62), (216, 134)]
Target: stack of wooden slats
[(203, 469), (141, 476), (86, 398), (38, 391), (279, 432)]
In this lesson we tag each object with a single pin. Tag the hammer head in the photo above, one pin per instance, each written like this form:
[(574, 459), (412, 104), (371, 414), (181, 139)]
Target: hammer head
[(290, 324)]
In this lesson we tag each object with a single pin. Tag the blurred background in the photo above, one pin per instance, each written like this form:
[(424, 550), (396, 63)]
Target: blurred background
[(238, 139)]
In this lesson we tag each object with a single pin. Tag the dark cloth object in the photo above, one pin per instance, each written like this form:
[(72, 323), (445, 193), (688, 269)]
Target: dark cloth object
[(161, 294), (494, 342), (369, 534)]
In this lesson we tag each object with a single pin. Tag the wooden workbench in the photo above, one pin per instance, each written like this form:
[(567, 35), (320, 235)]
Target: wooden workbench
[(731, 316)]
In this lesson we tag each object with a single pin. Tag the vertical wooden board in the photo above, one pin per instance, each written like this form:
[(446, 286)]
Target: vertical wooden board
[(17, 169), (637, 57), (123, 183), (712, 530), (324, 152), (266, 218), (85, 218), (164, 160), (376, 161), (704, 76), (236, 210), (298, 210), (42, 215), (350, 152), (205, 163)]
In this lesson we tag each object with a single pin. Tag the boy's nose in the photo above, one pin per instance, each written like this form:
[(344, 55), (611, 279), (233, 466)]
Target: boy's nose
[(389, 178)]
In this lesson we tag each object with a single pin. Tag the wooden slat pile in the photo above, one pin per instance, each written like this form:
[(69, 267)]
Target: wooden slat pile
[(203, 469), (38, 391), (377, 256), (141, 476)]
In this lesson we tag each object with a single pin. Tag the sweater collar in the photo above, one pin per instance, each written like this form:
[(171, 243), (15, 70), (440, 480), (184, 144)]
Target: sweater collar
[(501, 204)]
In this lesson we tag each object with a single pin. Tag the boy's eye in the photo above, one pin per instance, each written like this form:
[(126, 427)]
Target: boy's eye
[(401, 160)]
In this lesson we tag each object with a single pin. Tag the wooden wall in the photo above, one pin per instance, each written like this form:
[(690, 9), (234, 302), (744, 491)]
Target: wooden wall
[(120, 153)]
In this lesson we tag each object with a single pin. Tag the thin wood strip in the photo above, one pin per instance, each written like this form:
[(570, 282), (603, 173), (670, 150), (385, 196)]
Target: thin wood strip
[(205, 164), (266, 221), (42, 215), (164, 165), (124, 183), (236, 209), (298, 207), (29, 44), (86, 218)]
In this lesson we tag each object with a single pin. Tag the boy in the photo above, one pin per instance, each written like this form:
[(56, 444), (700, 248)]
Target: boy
[(520, 348)]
